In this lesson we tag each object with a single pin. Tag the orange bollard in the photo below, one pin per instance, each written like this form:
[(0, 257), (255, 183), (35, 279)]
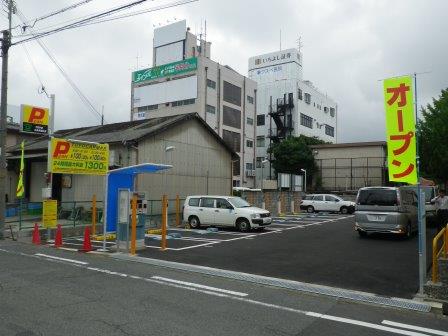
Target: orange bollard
[(58, 239), (36, 235), (87, 244)]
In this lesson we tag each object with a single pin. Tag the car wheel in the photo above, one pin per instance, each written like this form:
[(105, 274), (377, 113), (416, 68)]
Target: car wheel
[(310, 209), (243, 225), (344, 210), (194, 222), (362, 234)]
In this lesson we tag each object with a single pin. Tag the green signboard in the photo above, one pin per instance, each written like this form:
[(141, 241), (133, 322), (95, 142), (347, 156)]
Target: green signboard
[(169, 69)]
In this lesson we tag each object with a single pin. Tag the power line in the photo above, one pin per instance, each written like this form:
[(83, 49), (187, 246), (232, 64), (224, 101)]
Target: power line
[(96, 16), (77, 90), (30, 60)]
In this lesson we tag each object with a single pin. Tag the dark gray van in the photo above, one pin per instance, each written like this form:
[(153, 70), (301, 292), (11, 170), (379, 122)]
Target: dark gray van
[(386, 210)]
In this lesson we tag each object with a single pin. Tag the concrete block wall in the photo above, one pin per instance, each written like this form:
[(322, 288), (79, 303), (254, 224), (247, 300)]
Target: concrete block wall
[(272, 197)]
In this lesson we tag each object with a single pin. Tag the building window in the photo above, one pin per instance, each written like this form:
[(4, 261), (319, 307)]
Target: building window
[(236, 168), (250, 121), (231, 117), (183, 102), (332, 111), (250, 99), (307, 98), (260, 119), (300, 94), (249, 166), (260, 141), (211, 84), (249, 143), (232, 94), (306, 120), (329, 130), (232, 139), (258, 161), (148, 108), (210, 109)]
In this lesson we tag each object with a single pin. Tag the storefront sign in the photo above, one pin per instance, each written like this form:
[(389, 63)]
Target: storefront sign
[(34, 119), (169, 69), (72, 157), (400, 129), (50, 213)]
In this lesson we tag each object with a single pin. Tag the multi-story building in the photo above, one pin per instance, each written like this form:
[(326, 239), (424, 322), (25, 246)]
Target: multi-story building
[(184, 79), (287, 105)]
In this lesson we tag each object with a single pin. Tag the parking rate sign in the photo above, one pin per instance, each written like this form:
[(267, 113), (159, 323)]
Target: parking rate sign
[(71, 157), (34, 119), (400, 129)]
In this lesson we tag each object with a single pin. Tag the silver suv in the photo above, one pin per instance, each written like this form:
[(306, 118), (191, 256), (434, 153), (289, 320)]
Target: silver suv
[(386, 210)]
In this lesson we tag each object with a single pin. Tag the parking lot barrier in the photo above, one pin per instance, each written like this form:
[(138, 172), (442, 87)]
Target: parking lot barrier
[(436, 252)]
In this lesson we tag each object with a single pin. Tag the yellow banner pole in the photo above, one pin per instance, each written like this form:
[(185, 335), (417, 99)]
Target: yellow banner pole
[(164, 220), (133, 224), (93, 215)]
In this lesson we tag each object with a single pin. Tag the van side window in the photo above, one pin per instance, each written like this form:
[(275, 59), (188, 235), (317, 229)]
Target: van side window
[(318, 198), (222, 203), (193, 202), (207, 202)]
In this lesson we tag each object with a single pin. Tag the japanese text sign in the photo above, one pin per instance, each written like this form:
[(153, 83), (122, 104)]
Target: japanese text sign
[(34, 119), (170, 69), (400, 129), (50, 213), (72, 157)]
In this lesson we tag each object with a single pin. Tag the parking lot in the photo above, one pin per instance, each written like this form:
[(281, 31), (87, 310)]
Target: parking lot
[(317, 248)]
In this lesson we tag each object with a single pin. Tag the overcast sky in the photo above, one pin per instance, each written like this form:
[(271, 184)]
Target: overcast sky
[(348, 46)]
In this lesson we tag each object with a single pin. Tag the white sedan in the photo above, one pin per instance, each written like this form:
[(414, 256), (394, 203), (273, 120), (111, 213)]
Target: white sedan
[(326, 202)]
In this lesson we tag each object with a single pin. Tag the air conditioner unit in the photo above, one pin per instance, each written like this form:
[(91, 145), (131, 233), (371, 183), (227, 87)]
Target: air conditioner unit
[(250, 172)]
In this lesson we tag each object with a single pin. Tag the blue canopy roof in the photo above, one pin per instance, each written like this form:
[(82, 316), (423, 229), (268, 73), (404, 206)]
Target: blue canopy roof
[(143, 168)]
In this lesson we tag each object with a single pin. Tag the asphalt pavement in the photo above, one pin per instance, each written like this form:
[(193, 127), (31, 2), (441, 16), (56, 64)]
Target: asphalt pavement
[(45, 291)]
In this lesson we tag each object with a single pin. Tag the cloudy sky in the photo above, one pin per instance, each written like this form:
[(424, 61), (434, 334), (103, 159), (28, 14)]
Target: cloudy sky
[(348, 46)]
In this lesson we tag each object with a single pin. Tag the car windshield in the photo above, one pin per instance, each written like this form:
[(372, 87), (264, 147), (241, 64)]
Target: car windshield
[(238, 202), (386, 197)]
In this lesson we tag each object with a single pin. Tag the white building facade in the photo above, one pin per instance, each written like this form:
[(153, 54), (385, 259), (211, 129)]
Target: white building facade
[(287, 105), (184, 79)]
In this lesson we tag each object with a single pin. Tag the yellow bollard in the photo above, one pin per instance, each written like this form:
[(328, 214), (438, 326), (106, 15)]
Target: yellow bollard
[(177, 211), (133, 224), (164, 220), (94, 215)]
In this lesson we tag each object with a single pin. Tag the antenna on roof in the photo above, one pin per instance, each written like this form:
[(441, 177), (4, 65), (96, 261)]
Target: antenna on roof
[(299, 43), (280, 39)]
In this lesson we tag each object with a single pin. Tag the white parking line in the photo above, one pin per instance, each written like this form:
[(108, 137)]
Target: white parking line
[(61, 259), (191, 284), (413, 327)]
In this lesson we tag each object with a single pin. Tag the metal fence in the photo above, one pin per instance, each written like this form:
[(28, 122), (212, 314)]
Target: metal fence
[(341, 174), (79, 213)]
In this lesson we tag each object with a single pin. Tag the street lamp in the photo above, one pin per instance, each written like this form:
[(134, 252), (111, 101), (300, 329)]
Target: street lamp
[(262, 172), (304, 170)]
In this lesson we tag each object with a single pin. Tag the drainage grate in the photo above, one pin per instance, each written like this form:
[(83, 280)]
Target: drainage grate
[(288, 284)]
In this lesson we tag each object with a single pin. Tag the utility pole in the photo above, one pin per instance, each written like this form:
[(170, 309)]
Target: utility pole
[(6, 43)]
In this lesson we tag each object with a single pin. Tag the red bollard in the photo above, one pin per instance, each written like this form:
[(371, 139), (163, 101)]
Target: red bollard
[(58, 239), (87, 244), (36, 235)]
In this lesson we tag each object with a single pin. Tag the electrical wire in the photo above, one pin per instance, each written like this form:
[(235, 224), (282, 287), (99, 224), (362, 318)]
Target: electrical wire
[(30, 60), (96, 16)]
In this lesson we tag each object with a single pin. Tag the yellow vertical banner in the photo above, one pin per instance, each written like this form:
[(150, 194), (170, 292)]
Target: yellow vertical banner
[(400, 129)]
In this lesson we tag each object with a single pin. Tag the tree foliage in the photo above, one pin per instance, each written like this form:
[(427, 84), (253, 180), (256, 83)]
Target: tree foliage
[(293, 154), (433, 130)]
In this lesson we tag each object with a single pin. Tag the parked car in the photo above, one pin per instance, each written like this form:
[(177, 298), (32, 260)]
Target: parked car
[(227, 211), (386, 210), (430, 207), (326, 202)]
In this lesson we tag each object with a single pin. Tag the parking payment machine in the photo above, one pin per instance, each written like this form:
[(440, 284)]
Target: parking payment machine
[(124, 219)]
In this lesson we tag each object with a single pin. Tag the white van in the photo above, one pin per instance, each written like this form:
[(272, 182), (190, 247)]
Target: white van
[(228, 211)]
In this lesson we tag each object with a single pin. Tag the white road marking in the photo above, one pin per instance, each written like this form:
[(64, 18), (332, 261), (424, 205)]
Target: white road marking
[(246, 300), (194, 246), (192, 284), (61, 259), (413, 327), (365, 324)]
